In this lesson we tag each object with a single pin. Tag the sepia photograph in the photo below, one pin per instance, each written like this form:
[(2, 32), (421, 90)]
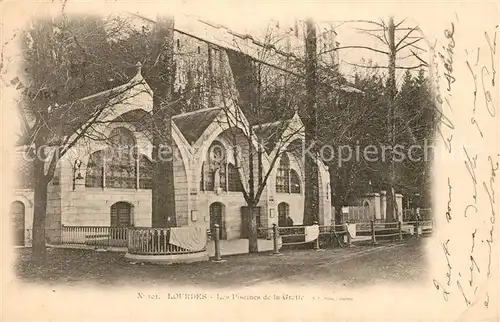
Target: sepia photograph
[(332, 161)]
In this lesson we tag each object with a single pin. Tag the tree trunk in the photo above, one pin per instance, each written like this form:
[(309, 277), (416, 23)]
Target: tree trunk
[(163, 193), (311, 192), (40, 210), (252, 229), (390, 122), (335, 200)]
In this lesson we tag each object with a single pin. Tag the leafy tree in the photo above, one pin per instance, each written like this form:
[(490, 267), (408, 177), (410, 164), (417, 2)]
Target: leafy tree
[(68, 58), (65, 59)]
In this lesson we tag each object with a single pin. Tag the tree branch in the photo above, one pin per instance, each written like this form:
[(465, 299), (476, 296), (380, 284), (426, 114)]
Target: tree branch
[(409, 44), (405, 36), (355, 47)]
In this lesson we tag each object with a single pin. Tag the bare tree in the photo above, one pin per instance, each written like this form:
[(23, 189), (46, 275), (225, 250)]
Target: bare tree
[(258, 105), (394, 46), (256, 150)]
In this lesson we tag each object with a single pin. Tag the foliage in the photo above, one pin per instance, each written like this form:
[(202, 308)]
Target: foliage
[(360, 121)]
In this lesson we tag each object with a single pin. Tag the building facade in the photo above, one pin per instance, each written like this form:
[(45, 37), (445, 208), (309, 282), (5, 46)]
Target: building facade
[(96, 186), (372, 206)]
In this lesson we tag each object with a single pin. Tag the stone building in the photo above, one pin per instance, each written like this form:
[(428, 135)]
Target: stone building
[(94, 186), (373, 206)]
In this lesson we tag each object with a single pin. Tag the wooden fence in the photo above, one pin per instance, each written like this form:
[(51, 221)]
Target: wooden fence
[(154, 241), (411, 214)]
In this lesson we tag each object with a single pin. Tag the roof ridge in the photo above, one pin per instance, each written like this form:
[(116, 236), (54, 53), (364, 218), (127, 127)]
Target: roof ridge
[(195, 112), (271, 123), (134, 81)]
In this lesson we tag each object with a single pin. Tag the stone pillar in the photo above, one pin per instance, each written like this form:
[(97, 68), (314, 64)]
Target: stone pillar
[(383, 204), (399, 204), (377, 205), (272, 211)]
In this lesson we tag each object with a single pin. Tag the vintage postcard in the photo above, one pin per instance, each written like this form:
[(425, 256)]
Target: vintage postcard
[(254, 161)]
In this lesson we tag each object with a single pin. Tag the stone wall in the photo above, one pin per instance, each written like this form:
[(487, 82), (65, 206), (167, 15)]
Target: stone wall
[(296, 204), (92, 206), (232, 201), (377, 203)]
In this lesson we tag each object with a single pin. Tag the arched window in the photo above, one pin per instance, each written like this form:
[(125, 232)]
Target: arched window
[(145, 173), (233, 178), (283, 175), (121, 169), (214, 168), (93, 178), (116, 167), (294, 182)]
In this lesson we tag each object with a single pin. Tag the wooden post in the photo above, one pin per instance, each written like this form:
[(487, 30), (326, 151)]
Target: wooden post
[(346, 225), (372, 224), (399, 231), (218, 257), (418, 224), (110, 234), (332, 235), (316, 243), (276, 250)]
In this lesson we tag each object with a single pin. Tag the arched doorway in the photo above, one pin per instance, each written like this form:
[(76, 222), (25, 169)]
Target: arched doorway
[(217, 217), (17, 213), (121, 214), (284, 219)]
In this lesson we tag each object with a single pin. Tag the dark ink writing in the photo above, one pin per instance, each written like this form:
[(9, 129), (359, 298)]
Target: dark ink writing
[(448, 209), (470, 164), (490, 106), (467, 302), (447, 254), (448, 61), (438, 287)]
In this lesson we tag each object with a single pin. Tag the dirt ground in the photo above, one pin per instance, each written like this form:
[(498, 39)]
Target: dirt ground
[(350, 267)]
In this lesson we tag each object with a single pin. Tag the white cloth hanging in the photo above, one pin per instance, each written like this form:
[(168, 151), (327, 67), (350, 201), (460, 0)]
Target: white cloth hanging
[(192, 238), (312, 233)]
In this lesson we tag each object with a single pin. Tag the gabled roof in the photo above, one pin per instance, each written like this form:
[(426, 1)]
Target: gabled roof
[(270, 133), (193, 124), (72, 116), (140, 119), (85, 108)]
